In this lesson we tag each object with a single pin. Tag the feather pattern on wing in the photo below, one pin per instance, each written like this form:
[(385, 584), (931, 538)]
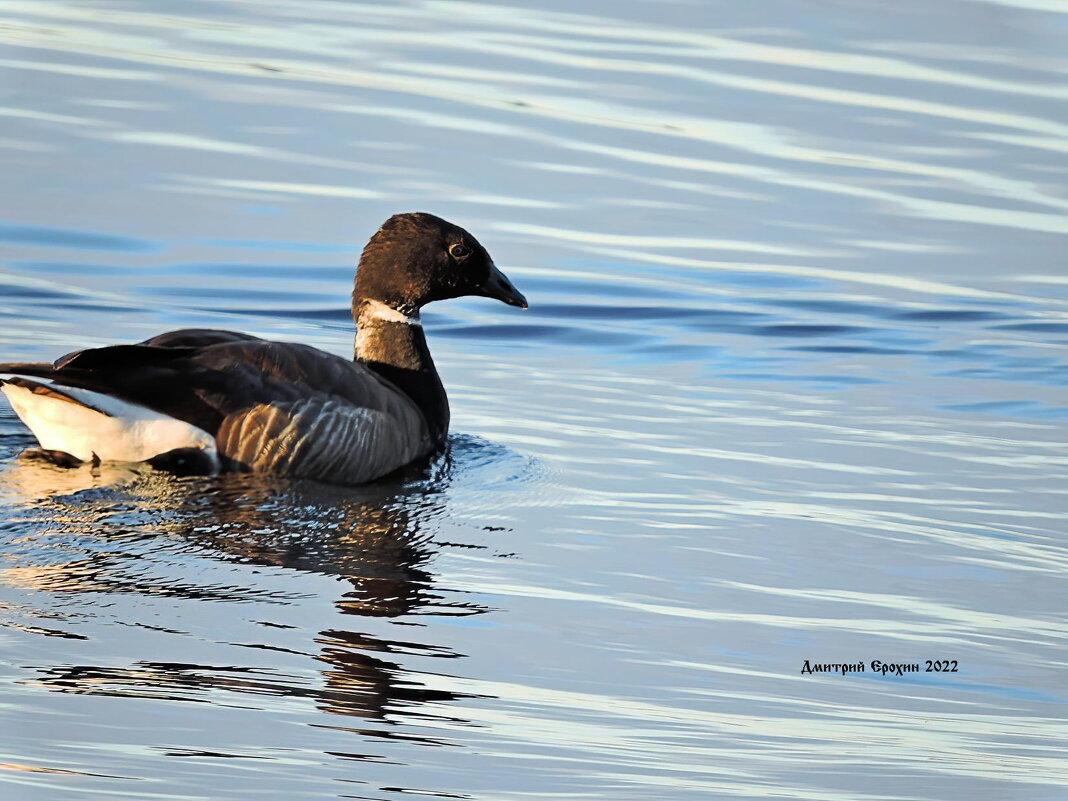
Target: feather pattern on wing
[(323, 438)]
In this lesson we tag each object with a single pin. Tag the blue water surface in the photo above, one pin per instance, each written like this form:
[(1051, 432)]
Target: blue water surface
[(791, 387)]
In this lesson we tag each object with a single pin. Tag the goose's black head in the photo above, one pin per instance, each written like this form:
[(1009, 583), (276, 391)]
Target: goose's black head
[(417, 258)]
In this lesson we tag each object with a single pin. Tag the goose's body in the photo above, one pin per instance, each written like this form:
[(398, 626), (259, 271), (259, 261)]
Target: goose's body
[(203, 401)]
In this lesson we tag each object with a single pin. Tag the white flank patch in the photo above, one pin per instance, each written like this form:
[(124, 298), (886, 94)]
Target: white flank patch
[(120, 431)]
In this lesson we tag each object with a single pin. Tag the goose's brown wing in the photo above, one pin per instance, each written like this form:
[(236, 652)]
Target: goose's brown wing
[(323, 438)]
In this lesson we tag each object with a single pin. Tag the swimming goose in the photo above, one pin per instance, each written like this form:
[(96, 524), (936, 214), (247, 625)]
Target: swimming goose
[(207, 401)]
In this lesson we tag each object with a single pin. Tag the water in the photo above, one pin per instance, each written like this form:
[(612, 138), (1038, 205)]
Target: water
[(791, 387)]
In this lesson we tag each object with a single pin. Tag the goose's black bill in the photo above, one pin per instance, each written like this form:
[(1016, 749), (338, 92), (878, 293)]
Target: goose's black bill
[(498, 286)]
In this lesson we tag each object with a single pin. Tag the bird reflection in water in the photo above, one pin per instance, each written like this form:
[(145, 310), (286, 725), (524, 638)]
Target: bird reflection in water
[(378, 538)]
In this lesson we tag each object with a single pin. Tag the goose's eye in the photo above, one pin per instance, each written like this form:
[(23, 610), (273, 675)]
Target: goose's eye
[(459, 251)]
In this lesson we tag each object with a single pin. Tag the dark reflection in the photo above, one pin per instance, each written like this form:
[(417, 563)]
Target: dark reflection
[(118, 529)]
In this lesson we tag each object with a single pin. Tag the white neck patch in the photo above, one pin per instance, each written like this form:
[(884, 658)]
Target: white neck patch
[(377, 310)]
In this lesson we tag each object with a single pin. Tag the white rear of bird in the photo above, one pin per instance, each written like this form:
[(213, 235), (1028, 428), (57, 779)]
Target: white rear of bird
[(92, 426)]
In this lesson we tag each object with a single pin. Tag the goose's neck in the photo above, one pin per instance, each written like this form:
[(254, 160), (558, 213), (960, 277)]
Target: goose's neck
[(385, 335), (392, 343)]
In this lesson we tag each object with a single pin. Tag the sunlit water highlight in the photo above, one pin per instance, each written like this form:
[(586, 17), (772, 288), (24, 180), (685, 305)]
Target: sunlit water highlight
[(791, 387)]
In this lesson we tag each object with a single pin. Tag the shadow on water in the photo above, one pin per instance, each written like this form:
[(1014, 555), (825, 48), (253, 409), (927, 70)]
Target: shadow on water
[(109, 531)]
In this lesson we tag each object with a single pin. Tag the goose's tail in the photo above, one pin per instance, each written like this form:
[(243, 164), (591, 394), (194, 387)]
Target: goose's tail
[(43, 369), (92, 426)]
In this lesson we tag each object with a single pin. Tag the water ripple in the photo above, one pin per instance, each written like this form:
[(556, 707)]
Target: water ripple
[(790, 388)]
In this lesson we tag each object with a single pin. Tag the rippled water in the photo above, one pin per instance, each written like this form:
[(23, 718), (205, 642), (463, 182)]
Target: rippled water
[(791, 387)]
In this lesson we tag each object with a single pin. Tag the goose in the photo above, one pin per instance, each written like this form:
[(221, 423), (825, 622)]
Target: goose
[(205, 401)]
